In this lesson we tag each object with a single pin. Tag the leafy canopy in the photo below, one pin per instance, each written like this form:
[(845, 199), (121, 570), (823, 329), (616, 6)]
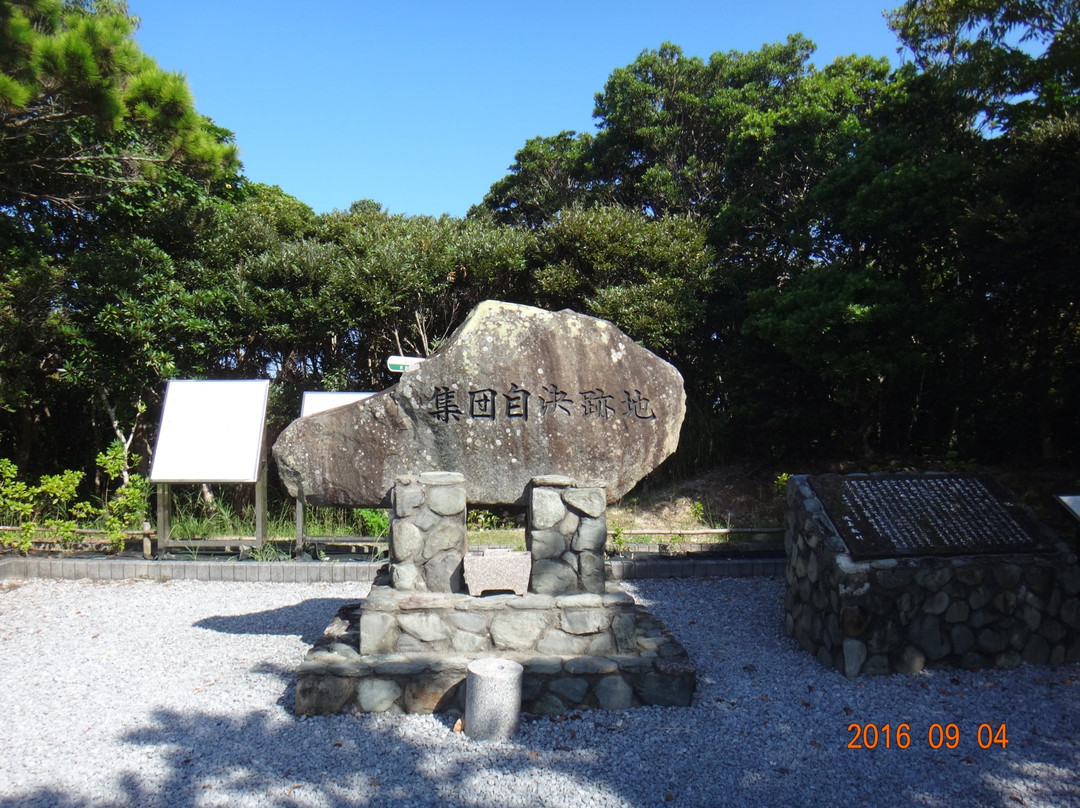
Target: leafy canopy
[(1019, 60), (84, 110)]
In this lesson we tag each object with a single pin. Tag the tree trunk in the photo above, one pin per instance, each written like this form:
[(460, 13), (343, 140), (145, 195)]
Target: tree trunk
[(27, 422)]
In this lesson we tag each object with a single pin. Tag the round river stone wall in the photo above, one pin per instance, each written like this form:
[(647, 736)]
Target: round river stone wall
[(902, 614), (409, 652), (428, 538)]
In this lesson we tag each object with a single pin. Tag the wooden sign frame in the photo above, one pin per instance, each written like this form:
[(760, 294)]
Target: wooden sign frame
[(314, 402), (211, 431)]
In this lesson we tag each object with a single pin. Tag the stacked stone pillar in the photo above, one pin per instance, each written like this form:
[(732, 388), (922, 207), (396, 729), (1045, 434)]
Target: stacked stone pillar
[(566, 530), (428, 539)]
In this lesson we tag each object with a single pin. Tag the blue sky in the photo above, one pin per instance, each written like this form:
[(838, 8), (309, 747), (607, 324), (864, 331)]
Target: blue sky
[(421, 105)]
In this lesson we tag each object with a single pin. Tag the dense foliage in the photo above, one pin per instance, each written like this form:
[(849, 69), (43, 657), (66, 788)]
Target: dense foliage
[(889, 253), (843, 258)]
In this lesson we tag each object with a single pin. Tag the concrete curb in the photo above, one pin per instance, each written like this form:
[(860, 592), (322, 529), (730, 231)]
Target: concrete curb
[(114, 569)]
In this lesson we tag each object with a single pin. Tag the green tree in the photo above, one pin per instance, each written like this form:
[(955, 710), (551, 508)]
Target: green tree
[(738, 140), (412, 280), (886, 218), (84, 111), (1005, 255), (30, 321), (319, 302), (548, 175), (1019, 60), (646, 274), (731, 150), (1019, 258), (99, 148), (855, 341)]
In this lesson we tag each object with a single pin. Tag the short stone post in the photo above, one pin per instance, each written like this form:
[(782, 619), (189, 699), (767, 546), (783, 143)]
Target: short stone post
[(492, 698), (428, 539), (566, 530)]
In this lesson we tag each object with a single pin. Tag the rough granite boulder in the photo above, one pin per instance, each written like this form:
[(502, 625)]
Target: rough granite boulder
[(516, 392)]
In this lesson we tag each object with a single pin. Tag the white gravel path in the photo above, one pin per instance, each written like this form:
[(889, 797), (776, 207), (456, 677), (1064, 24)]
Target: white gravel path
[(179, 694)]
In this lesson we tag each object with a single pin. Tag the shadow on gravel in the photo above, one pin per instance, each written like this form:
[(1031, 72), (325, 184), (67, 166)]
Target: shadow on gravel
[(347, 761), (266, 759), (308, 619), (768, 727)]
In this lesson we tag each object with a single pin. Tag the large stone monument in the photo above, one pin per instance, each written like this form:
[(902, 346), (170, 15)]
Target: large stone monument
[(516, 392), (560, 413)]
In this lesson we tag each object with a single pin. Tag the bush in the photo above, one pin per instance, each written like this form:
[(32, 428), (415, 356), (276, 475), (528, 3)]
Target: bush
[(52, 504)]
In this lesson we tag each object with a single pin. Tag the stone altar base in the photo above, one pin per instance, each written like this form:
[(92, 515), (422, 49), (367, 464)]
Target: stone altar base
[(408, 652), (889, 615)]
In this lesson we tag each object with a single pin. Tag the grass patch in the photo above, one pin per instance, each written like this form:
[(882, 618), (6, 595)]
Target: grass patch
[(513, 538)]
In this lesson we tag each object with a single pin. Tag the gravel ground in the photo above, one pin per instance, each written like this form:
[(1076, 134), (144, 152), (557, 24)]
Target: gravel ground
[(179, 693)]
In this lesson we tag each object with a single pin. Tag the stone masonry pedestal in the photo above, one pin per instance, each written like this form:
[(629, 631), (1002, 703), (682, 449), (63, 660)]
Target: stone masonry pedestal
[(566, 529), (428, 539), (580, 644)]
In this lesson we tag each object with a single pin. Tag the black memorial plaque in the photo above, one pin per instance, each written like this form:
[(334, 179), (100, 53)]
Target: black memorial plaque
[(885, 516)]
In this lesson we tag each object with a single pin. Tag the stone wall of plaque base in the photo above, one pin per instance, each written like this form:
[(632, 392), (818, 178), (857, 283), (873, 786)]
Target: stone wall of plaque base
[(904, 614), (407, 652)]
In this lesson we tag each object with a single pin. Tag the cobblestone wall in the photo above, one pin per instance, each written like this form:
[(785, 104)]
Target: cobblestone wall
[(566, 530), (428, 538), (900, 615), (409, 652)]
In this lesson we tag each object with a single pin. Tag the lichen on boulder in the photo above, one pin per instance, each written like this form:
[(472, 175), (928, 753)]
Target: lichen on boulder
[(514, 393)]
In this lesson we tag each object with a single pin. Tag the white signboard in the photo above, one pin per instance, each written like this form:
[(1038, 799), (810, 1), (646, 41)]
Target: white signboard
[(1072, 504), (211, 432), (321, 402)]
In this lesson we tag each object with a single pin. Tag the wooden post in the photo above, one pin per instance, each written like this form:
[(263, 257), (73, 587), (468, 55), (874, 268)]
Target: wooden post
[(164, 517), (299, 521), (260, 498)]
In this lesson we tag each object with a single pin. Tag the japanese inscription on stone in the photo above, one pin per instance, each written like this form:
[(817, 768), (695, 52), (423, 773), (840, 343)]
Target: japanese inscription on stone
[(515, 393), (484, 404), (938, 514)]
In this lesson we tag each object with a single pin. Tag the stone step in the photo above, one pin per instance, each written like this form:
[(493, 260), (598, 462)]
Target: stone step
[(551, 685), (409, 652)]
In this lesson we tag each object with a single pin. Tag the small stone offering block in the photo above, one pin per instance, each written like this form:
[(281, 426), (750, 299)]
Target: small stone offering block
[(492, 698), (498, 570)]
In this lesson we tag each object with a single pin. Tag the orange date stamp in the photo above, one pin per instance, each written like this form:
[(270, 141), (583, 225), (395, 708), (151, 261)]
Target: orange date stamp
[(938, 736)]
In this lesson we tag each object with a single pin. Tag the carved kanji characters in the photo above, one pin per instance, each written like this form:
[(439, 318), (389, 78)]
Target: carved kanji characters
[(445, 405), (517, 402), (555, 400), (595, 403), (637, 405), (482, 403)]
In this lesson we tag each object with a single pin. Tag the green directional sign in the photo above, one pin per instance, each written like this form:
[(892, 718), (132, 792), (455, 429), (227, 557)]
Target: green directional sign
[(399, 364)]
